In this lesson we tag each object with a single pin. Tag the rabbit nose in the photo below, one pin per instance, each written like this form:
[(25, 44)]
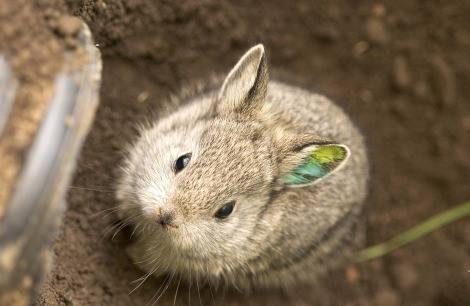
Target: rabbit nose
[(165, 218)]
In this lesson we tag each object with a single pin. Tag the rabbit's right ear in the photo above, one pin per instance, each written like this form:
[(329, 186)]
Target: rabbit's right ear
[(306, 159), (314, 163), (245, 87)]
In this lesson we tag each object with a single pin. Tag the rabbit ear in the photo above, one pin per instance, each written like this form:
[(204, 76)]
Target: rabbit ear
[(245, 87), (313, 163)]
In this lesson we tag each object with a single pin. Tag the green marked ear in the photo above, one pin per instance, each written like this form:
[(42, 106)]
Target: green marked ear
[(318, 161)]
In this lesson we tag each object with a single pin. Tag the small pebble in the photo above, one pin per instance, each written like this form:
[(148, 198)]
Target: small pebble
[(378, 10), (69, 25), (444, 80), (51, 13), (66, 300), (466, 123), (60, 276), (360, 48), (401, 73), (143, 96), (376, 31), (352, 274), (386, 297)]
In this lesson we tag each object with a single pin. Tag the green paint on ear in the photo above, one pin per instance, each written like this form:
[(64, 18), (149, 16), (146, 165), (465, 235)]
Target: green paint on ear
[(319, 163)]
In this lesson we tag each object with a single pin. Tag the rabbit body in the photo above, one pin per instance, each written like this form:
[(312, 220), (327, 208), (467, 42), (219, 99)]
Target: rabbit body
[(258, 184)]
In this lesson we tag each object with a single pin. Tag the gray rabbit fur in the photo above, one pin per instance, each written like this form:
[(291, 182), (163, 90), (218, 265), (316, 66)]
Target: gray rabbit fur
[(238, 145)]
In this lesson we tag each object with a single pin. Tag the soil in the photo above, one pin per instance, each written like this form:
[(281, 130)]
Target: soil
[(33, 37), (400, 70)]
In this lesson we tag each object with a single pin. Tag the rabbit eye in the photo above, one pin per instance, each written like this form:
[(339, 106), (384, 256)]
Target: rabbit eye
[(182, 162), (225, 210)]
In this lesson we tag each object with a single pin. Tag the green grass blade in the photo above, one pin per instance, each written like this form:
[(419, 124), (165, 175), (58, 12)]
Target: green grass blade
[(415, 232)]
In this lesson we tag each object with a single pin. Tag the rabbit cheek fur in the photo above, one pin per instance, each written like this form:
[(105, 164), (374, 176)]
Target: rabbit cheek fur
[(291, 160)]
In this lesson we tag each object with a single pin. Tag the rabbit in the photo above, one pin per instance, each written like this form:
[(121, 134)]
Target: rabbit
[(256, 183)]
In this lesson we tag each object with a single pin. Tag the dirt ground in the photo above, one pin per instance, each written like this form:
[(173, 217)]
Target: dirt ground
[(400, 69)]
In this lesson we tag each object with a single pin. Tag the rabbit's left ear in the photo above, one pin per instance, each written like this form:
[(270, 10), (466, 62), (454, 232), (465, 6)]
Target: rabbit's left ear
[(313, 163), (245, 87)]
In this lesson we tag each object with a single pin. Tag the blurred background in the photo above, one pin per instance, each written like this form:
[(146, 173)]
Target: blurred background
[(401, 70)]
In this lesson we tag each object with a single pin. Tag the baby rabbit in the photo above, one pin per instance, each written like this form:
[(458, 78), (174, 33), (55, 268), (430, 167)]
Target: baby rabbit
[(258, 183)]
